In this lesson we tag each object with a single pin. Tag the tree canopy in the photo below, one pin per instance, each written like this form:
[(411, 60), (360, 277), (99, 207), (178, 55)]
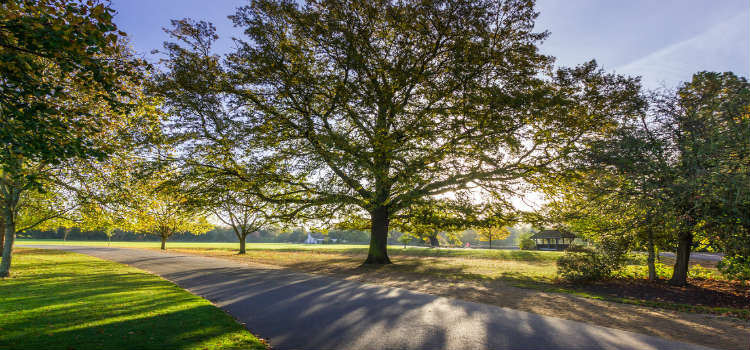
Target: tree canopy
[(370, 108), (674, 177), (68, 85)]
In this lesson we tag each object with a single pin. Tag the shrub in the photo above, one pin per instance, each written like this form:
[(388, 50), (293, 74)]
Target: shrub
[(700, 273), (525, 242), (640, 271), (736, 267), (582, 264)]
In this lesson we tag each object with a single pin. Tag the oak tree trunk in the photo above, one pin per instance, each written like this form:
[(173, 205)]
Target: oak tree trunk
[(242, 244), (378, 252), (434, 242), (163, 242), (682, 258)]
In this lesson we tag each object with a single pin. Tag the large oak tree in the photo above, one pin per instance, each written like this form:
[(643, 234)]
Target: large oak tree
[(375, 108)]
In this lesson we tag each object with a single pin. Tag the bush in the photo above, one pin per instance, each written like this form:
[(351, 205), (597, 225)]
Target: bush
[(700, 273), (640, 271), (736, 267), (582, 264), (525, 242)]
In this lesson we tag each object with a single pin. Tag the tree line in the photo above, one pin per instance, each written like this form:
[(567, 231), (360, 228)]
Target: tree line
[(423, 117)]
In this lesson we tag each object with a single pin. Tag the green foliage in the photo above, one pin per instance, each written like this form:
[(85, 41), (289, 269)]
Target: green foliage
[(66, 78), (525, 242), (701, 273), (583, 264), (154, 206), (676, 175), (340, 109), (735, 267), (405, 239), (349, 236), (632, 271), (70, 95)]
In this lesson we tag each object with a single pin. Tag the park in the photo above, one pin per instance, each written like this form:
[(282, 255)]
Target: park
[(271, 174)]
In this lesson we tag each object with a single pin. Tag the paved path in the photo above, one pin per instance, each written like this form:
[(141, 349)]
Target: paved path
[(698, 256), (301, 311)]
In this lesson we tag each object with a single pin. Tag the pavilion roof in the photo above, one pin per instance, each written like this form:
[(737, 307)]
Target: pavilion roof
[(552, 234)]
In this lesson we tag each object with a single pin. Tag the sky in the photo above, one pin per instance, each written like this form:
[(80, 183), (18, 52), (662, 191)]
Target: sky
[(663, 41)]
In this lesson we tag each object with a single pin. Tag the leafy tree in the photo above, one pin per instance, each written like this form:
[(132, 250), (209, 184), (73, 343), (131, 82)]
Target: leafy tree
[(381, 106), (405, 239), (525, 242), (66, 84), (488, 234), (372, 108), (244, 213), (706, 127), (656, 179), (159, 208)]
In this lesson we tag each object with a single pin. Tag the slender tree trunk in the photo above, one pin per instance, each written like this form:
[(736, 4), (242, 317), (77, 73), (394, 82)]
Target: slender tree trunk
[(163, 242), (2, 234), (490, 242), (682, 258), (242, 244), (10, 235), (378, 252), (65, 234), (651, 257)]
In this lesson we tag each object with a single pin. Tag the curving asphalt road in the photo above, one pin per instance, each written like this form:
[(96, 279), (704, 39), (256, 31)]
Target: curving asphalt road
[(301, 311)]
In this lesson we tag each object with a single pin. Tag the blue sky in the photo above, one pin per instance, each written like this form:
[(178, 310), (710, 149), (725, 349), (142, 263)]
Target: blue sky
[(665, 41)]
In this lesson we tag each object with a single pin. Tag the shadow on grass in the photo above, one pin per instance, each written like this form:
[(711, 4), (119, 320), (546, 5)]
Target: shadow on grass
[(59, 300)]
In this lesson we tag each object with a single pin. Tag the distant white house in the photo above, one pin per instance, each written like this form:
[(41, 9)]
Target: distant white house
[(314, 238)]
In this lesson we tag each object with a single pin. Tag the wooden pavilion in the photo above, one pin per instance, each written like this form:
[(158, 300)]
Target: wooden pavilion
[(553, 239)]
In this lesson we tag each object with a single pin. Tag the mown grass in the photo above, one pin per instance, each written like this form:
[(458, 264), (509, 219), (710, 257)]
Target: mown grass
[(356, 249), (61, 300), (524, 269)]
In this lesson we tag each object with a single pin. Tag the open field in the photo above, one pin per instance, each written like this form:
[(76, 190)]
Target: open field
[(395, 250), (480, 272), (60, 300)]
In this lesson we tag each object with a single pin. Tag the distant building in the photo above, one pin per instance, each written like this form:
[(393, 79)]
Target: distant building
[(553, 239), (314, 238)]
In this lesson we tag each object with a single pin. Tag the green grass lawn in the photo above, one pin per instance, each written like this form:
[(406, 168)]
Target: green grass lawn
[(519, 268), (60, 300), (357, 249)]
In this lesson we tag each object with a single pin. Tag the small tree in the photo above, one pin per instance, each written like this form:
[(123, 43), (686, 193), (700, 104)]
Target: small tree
[(405, 239), (244, 213), (525, 242), (488, 234), (156, 206)]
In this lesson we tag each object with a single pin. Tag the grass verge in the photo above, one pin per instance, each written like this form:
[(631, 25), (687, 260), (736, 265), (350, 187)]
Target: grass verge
[(61, 300)]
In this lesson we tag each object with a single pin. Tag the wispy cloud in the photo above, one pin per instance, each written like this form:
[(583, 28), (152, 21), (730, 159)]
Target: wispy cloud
[(723, 47)]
